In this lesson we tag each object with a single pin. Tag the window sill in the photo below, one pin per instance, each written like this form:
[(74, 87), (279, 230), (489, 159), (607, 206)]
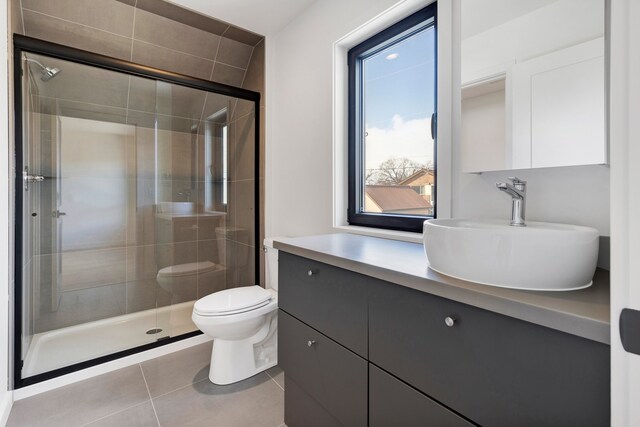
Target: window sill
[(404, 236)]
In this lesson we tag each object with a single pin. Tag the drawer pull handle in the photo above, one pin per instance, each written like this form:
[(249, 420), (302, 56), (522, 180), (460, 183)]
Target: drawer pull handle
[(310, 343), (310, 273), (449, 321)]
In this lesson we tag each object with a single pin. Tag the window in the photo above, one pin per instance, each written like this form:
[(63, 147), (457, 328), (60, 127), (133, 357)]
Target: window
[(392, 106), (217, 162)]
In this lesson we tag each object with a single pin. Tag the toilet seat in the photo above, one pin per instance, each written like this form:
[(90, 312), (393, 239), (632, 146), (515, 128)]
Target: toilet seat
[(187, 269), (232, 301)]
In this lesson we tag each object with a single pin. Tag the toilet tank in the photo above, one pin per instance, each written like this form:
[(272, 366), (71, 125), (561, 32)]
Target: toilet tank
[(271, 264)]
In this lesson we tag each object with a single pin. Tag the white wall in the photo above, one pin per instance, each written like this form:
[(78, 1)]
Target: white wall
[(299, 134), (6, 397), (97, 159), (576, 195), (299, 174)]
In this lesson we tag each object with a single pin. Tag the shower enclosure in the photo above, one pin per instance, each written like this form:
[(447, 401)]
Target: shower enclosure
[(135, 195)]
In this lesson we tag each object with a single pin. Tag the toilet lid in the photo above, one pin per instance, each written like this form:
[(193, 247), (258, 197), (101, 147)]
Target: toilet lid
[(231, 301), (187, 269)]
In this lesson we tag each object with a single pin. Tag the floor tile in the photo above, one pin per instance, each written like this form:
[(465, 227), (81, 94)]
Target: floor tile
[(176, 370), (138, 416), (255, 402), (277, 374), (82, 402)]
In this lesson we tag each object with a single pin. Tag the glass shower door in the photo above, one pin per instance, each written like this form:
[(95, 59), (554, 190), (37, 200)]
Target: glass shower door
[(78, 184), (138, 198)]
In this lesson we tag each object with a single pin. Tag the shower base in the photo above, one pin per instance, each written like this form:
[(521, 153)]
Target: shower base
[(66, 346)]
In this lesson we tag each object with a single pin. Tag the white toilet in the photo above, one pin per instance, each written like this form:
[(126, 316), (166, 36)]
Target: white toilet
[(243, 324)]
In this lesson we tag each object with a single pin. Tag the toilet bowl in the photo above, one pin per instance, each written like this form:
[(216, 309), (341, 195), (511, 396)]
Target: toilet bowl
[(243, 323)]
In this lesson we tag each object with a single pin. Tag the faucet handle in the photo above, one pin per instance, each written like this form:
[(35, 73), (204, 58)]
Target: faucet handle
[(517, 181)]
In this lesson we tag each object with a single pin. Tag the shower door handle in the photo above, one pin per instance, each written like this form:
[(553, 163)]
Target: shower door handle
[(58, 214), (29, 178), (34, 178)]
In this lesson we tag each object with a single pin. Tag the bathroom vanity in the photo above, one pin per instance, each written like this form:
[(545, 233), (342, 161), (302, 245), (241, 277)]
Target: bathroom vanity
[(369, 335)]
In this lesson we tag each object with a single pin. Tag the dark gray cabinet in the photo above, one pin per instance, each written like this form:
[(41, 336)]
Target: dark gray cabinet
[(300, 409), (327, 298), (333, 376), (394, 403), (416, 368), (496, 370)]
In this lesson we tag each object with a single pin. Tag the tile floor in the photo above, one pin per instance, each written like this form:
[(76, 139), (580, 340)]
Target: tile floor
[(172, 390)]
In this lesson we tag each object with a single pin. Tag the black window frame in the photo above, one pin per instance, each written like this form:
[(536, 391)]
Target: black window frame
[(391, 35)]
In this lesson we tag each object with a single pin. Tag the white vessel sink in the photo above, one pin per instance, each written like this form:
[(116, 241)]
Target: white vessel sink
[(177, 208), (541, 256)]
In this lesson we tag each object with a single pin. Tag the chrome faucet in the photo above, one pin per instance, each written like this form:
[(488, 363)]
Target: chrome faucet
[(518, 193)]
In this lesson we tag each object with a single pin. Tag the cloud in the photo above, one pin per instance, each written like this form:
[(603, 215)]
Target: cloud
[(411, 139)]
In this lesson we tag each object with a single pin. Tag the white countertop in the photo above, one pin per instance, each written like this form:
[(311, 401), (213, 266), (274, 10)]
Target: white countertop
[(583, 313)]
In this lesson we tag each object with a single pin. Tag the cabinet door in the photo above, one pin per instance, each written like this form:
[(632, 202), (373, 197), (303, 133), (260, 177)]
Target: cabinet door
[(493, 369), (559, 108), (333, 376), (301, 410), (327, 298), (393, 403)]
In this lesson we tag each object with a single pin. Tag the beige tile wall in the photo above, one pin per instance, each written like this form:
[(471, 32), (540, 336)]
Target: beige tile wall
[(254, 80), (154, 33)]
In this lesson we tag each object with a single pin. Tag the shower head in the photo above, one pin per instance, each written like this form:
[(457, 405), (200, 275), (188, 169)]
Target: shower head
[(46, 73)]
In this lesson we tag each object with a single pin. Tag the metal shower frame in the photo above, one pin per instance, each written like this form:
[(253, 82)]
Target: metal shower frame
[(31, 45)]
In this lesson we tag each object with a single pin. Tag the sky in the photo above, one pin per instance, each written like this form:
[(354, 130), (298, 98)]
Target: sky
[(399, 98)]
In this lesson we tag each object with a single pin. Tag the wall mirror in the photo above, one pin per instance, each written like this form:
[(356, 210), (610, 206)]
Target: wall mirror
[(532, 84)]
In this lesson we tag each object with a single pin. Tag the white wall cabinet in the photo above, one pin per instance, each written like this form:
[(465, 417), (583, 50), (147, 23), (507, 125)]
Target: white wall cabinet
[(559, 108)]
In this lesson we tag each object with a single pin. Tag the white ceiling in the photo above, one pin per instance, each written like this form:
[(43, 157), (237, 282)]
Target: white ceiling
[(481, 15), (265, 17)]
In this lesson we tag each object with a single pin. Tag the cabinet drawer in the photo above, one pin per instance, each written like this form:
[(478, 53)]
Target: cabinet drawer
[(393, 403), (330, 374), (496, 370), (331, 300)]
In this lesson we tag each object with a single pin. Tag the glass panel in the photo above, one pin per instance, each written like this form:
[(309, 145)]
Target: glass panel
[(398, 97), (145, 206)]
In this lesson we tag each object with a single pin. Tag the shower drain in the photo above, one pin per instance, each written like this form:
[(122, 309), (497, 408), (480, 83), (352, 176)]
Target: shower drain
[(153, 331)]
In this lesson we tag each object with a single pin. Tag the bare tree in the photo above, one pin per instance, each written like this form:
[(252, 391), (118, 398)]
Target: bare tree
[(393, 171)]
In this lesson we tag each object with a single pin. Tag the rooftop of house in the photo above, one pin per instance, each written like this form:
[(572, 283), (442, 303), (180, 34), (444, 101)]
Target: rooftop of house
[(421, 177), (395, 197)]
